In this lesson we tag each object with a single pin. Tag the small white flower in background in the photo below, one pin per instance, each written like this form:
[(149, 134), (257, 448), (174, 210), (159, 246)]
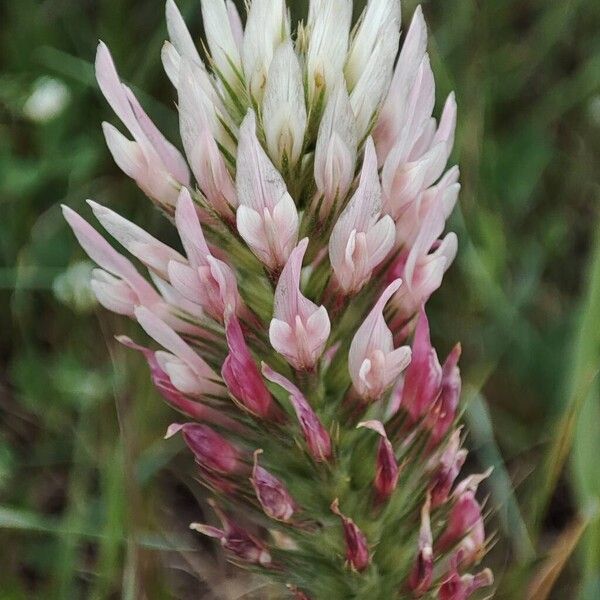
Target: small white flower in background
[(594, 109), (311, 203), (73, 286), (48, 99)]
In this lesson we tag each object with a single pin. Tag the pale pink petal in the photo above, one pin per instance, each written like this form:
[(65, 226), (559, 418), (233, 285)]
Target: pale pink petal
[(175, 299), (431, 229), (318, 328), (189, 229), (228, 298), (171, 157), (349, 244), (182, 376), (200, 127), (336, 143), (127, 154), (163, 165), (282, 338), (380, 240), (431, 268), (271, 230), (186, 281), (287, 293), (251, 228), (259, 184), (141, 244), (285, 222), (235, 23), (424, 141), (196, 89), (374, 332), (171, 341), (435, 159), (283, 108), (422, 99), (380, 18), (178, 33), (447, 127), (114, 91), (171, 61), (113, 293), (373, 363), (299, 329), (396, 362), (329, 26), (374, 81), (394, 112), (102, 253), (223, 40), (267, 26), (374, 425)]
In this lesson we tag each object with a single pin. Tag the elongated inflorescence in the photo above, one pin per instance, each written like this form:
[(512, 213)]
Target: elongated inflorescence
[(311, 202)]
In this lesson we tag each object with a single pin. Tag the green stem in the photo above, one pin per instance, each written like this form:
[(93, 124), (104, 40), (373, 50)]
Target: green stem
[(586, 447)]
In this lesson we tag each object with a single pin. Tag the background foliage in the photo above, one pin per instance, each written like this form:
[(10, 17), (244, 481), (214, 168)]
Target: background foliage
[(94, 504)]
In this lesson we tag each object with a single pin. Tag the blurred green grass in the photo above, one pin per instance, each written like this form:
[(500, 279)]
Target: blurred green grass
[(91, 498)]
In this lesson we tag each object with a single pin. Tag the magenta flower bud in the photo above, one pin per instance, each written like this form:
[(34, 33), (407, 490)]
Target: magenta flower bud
[(272, 494), (451, 462), (422, 574), (472, 545), (241, 374), (441, 417), (236, 540), (357, 550), (424, 374), (461, 588), (465, 524), (387, 471), (316, 436), (212, 451)]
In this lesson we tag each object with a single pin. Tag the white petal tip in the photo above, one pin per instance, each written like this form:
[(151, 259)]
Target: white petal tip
[(172, 430)]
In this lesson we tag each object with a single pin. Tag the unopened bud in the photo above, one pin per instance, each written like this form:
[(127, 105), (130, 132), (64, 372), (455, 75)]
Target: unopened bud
[(236, 540), (316, 436), (422, 574), (272, 494), (212, 450), (357, 550), (424, 373), (241, 374), (461, 588), (465, 525), (387, 470), (450, 464), (442, 415)]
